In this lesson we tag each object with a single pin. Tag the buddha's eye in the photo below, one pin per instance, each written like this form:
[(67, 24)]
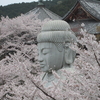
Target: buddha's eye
[(45, 51), (67, 42)]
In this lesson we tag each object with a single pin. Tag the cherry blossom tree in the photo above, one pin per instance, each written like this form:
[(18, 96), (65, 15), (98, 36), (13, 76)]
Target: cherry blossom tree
[(20, 76), (18, 45)]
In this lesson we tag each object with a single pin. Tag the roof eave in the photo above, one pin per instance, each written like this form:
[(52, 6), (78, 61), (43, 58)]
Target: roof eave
[(66, 16), (86, 10), (71, 10)]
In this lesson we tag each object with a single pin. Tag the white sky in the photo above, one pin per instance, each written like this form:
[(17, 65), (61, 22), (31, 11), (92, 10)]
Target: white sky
[(7, 2)]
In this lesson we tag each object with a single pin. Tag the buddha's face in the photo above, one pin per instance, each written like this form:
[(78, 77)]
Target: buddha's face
[(49, 57)]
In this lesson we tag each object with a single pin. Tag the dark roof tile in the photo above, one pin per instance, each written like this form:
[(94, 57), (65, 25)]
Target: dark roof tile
[(42, 13), (92, 7)]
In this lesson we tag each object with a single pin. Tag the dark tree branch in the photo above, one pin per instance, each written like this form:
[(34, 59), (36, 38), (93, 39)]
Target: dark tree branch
[(27, 75), (41, 89), (96, 59)]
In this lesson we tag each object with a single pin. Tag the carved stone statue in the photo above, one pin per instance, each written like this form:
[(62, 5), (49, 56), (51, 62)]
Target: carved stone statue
[(53, 46)]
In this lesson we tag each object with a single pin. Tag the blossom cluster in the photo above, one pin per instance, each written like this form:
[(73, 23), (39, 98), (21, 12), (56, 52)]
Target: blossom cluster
[(19, 67)]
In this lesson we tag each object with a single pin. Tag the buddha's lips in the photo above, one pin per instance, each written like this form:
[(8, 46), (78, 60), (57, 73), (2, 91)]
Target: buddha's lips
[(42, 65)]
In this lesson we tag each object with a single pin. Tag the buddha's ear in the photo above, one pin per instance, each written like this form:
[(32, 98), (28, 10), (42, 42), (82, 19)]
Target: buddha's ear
[(69, 56)]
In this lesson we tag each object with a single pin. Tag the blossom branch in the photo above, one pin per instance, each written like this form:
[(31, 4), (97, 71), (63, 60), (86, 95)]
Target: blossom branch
[(41, 89), (28, 76)]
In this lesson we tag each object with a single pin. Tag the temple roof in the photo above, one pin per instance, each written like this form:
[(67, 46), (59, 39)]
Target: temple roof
[(84, 11), (42, 12), (91, 7)]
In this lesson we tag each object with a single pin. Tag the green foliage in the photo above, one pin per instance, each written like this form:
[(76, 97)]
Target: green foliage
[(60, 7), (14, 10)]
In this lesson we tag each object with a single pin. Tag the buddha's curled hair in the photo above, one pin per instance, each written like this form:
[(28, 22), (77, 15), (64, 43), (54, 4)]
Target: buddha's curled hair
[(57, 32)]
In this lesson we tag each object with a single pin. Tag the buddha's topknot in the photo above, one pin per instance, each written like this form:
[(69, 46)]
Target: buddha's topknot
[(57, 32)]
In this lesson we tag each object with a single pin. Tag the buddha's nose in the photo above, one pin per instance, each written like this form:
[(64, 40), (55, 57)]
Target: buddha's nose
[(40, 59)]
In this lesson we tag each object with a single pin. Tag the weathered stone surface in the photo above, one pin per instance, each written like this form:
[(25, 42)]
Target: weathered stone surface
[(54, 47)]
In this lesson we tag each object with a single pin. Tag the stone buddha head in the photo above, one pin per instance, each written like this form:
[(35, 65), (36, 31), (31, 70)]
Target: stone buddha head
[(53, 46)]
